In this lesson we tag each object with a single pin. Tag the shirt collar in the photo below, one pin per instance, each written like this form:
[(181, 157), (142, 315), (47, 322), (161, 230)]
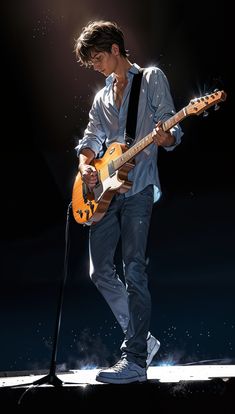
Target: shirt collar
[(133, 70)]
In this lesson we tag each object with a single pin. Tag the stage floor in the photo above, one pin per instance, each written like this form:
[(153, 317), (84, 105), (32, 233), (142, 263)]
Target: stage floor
[(167, 386)]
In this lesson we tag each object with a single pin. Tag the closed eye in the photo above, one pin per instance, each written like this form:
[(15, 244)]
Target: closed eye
[(97, 58)]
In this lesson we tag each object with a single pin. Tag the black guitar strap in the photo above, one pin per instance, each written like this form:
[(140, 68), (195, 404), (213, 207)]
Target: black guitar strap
[(133, 108)]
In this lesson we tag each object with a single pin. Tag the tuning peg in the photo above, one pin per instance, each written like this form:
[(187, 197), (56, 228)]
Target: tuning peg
[(205, 114), (216, 107)]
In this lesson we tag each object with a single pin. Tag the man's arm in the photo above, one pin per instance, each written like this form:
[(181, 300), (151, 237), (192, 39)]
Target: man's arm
[(88, 172)]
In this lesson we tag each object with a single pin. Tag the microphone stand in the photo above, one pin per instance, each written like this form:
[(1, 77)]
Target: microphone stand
[(51, 378)]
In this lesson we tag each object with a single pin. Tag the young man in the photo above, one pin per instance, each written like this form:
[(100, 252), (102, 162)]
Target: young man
[(101, 47)]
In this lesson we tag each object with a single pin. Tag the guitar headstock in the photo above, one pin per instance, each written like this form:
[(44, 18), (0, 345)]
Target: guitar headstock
[(199, 105)]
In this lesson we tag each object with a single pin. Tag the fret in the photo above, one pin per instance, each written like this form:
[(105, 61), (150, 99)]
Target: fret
[(175, 119)]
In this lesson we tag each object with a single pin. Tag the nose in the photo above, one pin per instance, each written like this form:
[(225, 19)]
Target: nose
[(95, 66)]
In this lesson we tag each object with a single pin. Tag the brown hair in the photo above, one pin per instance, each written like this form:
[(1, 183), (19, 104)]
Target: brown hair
[(99, 36)]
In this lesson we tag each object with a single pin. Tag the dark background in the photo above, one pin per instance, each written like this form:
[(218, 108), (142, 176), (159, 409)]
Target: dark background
[(46, 97)]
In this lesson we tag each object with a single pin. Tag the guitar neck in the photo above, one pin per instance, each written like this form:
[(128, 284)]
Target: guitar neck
[(148, 139)]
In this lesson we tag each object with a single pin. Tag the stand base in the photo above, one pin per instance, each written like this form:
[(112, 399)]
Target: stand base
[(50, 379)]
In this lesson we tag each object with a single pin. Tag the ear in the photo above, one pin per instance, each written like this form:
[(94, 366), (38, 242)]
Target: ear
[(115, 49)]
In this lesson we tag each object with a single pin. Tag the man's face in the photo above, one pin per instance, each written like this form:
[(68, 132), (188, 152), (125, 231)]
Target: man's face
[(104, 62)]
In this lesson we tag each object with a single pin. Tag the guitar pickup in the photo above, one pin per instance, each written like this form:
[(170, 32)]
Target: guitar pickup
[(98, 179), (91, 205), (111, 169)]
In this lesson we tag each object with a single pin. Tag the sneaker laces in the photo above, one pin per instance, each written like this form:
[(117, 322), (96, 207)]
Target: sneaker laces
[(122, 363)]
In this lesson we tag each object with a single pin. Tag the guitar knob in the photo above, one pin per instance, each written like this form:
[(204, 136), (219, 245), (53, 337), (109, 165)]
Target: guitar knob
[(80, 213), (216, 107), (205, 114), (87, 214)]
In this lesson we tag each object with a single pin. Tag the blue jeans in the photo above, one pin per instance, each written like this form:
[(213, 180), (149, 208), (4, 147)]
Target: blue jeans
[(128, 218)]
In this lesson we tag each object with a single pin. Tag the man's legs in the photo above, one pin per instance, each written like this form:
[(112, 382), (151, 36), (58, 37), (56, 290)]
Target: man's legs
[(135, 306), (135, 219), (103, 240)]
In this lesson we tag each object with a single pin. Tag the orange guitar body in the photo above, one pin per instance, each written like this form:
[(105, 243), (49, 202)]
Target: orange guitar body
[(90, 206)]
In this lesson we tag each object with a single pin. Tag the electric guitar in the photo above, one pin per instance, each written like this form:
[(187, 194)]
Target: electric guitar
[(89, 206)]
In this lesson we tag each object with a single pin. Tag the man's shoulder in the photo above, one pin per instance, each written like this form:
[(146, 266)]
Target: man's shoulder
[(152, 70), (153, 74)]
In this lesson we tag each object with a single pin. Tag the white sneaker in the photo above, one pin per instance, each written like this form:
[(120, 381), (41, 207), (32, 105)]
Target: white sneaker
[(153, 346), (123, 372)]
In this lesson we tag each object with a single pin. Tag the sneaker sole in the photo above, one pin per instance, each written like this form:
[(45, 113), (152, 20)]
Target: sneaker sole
[(121, 381)]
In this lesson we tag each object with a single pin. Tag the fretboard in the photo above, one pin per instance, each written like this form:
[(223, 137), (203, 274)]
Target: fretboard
[(148, 139)]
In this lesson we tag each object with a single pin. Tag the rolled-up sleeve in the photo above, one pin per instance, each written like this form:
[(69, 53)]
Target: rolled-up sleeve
[(163, 105), (94, 135)]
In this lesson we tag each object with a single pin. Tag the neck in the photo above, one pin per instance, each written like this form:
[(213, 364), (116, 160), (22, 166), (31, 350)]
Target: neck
[(121, 70)]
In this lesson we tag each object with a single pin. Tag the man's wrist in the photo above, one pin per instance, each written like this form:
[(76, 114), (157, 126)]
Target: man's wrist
[(173, 141)]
